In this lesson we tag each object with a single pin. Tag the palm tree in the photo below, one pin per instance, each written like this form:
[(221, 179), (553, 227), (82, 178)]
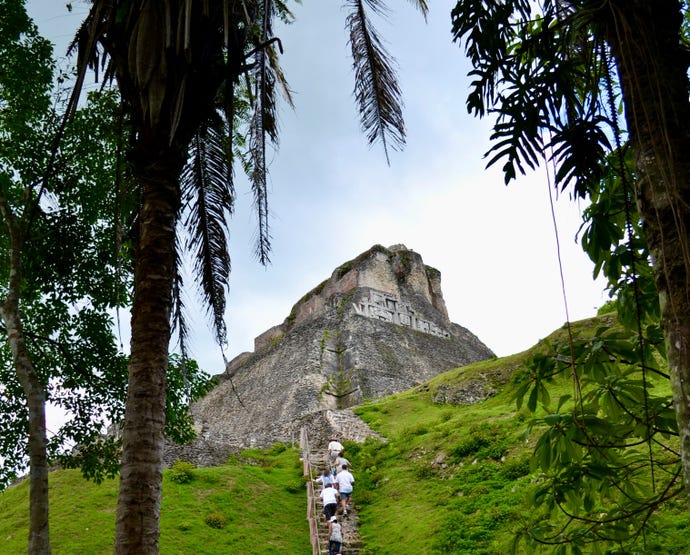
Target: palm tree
[(191, 73)]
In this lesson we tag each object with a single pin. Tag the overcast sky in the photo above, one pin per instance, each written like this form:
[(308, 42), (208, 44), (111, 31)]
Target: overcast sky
[(333, 197)]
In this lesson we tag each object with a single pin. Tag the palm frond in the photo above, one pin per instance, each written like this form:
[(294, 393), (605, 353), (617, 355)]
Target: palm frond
[(279, 75), (377, 92), (263, 125), (422, 6), (85, 44), (259, 127), (179, 320), (208, 197)]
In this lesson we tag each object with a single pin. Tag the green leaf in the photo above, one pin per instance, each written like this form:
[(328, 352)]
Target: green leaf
[(533, 396)]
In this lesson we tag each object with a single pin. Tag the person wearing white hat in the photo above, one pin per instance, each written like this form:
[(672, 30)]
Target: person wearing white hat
[(335, 536)]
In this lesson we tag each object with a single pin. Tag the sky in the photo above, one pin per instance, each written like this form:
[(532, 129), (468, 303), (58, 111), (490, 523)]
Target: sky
[(332, 196)]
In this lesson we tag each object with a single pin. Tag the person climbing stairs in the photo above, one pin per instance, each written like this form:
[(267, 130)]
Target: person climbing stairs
[(315, 459)]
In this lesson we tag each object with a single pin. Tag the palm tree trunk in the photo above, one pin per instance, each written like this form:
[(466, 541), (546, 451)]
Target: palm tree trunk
[(138, 511), (653, 73)]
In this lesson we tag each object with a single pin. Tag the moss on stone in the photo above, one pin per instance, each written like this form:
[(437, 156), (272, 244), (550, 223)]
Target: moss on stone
[(324, 338), (432, 272), (343, 269), (313, 293), (275, 341)]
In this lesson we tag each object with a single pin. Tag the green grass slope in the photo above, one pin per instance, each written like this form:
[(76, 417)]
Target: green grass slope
[(454, 479), (256, 503)]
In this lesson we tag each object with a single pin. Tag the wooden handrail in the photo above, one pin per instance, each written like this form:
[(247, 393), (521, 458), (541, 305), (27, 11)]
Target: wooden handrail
[(312, 509)]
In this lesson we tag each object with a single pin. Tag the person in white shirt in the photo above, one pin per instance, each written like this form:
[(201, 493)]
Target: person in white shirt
[(334, 449), (344, 481), (329, 497)]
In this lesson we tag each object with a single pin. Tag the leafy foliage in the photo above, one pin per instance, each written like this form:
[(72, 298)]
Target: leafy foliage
[(608, 452), (376, 89), (216, 520), (186, 383), (540, 73), (60, 274), (181, 472), (208, 202), (483, 442)]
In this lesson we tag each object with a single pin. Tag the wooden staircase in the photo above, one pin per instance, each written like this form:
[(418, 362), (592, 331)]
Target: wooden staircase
[(315, 460)]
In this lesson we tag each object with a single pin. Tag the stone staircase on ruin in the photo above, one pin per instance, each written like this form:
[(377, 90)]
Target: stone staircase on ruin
[(317, 461)]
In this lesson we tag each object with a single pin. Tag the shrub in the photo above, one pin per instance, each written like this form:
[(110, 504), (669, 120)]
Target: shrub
[(483, 443), (423, 472), (514, 469), (277, 448), (352, 449), (468, 447), (495, 450), (181, 472), (363, 497), (216, 520), (296, 486)]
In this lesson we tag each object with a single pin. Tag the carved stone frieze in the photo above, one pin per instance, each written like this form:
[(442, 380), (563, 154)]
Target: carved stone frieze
[(391, 308)]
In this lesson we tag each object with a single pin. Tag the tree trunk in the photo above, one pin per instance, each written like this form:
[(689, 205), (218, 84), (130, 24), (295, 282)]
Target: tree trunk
[(39, 531), (645, 39), (138, 511)]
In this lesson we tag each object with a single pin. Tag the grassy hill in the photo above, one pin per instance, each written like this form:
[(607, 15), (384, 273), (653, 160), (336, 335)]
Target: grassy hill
[(449, 479), (254, 504), (457, 479)]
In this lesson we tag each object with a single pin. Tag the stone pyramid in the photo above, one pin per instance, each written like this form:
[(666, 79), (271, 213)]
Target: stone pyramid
[(377, 326)]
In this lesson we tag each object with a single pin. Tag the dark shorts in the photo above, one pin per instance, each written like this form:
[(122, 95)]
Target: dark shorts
[(329, 510), (345, 495)]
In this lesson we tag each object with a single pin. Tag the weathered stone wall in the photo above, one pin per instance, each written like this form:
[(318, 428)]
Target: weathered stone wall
[(263, 340)]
